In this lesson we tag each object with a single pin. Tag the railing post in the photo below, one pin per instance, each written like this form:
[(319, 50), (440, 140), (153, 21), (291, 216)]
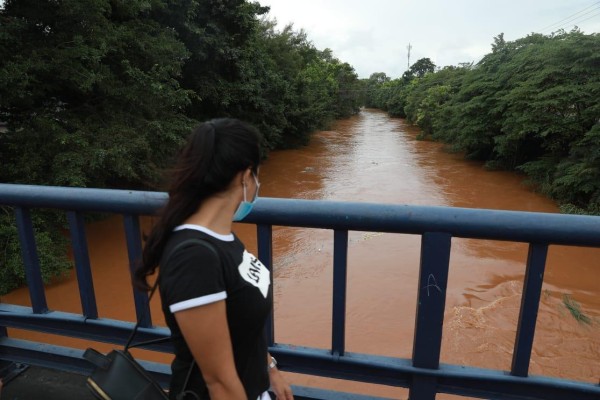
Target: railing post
[(33, 273), (134, 251), (431, 301), (530, 302), (265, 255), (340, 262), (82, 264)]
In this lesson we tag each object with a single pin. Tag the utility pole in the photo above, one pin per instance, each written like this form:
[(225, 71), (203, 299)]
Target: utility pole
[(408, 63)]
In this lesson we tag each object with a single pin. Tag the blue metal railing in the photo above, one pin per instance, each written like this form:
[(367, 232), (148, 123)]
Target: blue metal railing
[(422, 374)]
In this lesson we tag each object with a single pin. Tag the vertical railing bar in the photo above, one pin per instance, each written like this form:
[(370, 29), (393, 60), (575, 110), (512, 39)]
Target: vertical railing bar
[(340, 270), (530, 302), (33, 272), (431, 301), (265, 255), (82, 264), (134, 251)]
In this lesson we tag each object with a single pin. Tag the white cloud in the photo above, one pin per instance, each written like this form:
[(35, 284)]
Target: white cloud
[(373, 35)]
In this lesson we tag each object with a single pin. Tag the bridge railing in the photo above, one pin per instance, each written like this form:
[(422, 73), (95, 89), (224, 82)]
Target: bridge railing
[(423, 374)]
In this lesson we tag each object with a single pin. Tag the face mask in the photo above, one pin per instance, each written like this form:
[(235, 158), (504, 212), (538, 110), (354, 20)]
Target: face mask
[(246, 206)]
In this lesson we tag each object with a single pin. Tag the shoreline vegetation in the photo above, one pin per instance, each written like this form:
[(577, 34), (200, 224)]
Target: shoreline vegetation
[(99, 93), (531, 106)]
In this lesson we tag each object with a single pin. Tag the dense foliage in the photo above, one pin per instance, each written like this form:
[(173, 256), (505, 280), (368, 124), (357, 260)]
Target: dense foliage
[(531, 105), (100, 93)]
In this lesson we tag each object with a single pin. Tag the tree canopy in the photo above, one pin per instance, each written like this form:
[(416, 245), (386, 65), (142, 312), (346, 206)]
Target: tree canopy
[(530, 105), (101, 93)]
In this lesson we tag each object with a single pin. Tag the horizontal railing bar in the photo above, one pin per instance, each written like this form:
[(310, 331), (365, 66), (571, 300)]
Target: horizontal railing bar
[(359, 367), (351, 366), (46, 355), (541, 388), (81, 199), (67, 359), (77, 326), (309, 393), (515, 226), (71, 360), (463, 380)]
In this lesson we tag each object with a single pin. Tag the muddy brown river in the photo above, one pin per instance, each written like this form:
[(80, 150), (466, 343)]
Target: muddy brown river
[(374, 158)]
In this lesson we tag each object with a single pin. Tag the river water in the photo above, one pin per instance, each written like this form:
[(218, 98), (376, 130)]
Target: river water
[(371, 157)]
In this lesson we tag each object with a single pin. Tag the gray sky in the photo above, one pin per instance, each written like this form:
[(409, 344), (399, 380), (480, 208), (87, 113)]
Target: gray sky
[(373, 35)]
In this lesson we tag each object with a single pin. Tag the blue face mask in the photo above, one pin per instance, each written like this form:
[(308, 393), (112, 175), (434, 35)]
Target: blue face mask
[(246, 206)]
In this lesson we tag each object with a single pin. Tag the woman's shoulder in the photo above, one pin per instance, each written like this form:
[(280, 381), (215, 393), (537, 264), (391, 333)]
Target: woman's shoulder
[(189, 242), (194, 242)]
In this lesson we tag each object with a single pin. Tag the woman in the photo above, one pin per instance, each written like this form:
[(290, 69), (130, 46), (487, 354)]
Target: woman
[(215, 295)]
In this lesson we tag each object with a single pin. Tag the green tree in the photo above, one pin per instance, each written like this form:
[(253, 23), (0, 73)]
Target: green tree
[(89, 91), (576, 180), (314, 87), (101, 92), (51, 249), (419, 69), (422, 67), (529, 105), (373, 87), (90, 96), (394, 95)]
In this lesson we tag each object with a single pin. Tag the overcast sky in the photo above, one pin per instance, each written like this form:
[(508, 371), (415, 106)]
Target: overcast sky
[(373, 35)]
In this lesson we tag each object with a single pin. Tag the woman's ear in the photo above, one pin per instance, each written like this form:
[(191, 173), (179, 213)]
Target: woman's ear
[(238, 180), (246, 176)]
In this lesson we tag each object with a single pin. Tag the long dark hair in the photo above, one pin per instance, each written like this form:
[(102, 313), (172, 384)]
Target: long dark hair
[(215, 152)]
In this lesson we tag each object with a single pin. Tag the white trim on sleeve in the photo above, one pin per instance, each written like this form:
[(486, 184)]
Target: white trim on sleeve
[(198, 301)]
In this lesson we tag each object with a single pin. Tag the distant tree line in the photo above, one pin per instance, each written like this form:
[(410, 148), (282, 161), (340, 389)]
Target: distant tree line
[(531, 105), (100, 93)]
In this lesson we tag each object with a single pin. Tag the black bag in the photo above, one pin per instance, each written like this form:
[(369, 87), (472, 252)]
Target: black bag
[(119, 377)]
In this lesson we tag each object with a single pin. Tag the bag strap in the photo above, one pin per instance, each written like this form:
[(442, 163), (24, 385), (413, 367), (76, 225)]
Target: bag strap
[(128, 345), (96, 358), (181, 245)]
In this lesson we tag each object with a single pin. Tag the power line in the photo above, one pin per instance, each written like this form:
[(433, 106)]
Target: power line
[(589, 17), (576, 15), (579, 21), (572, 15)]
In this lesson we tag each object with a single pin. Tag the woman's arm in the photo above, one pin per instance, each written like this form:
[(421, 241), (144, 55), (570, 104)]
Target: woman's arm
[(280, 387), (206, 333)]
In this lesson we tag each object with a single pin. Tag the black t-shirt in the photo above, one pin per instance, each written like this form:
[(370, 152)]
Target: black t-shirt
[(194, 276)]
